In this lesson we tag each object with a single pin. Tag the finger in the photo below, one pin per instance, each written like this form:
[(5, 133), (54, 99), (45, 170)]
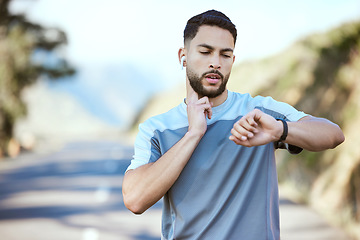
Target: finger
[(239, 142), (257, 114), (207, 109), (244, 123), (207, 106), (245, 129), (251, 120), (203, 100), (252, 123), (234, 139), (243, 135), (211, 112), (254, 117)]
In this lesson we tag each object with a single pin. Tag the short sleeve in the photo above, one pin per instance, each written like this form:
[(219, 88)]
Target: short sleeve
[(280, 109), (146, 147)]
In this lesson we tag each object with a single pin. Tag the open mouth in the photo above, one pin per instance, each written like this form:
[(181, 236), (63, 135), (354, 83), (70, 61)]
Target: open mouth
[(212, 78)]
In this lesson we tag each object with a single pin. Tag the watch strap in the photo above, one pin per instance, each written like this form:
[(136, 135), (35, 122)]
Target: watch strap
[(285, 131)]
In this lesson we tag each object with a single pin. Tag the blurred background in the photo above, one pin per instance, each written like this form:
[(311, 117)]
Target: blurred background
[(76, 73)]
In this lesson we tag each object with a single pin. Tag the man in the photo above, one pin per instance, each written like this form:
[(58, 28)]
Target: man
[(212, 157)]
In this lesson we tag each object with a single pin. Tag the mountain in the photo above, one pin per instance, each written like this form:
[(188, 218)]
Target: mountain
[(113, 93), (100, 101), (54, 118), (320, 75)]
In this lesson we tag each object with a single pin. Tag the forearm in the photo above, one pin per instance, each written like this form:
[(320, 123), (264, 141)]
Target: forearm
[(314, 134), (144, 186)]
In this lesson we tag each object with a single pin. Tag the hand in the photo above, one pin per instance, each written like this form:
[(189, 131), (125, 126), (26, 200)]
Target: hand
[(256, 128), (198, 110)]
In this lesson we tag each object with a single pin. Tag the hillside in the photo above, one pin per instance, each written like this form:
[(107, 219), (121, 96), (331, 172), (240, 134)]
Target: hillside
[(320, 75), (323, 79)]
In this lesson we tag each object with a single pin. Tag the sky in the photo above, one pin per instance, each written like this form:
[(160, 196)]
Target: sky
[(149, 33), (109, 40)]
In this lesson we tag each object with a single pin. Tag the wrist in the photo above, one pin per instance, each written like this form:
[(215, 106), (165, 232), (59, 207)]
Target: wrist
[(194, 134), (284, 132)]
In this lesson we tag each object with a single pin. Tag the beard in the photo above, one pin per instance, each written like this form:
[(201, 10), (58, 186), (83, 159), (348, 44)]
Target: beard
[(198, 87)]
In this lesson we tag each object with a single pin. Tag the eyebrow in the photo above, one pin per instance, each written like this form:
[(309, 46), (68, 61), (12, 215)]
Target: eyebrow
[(212, 48)]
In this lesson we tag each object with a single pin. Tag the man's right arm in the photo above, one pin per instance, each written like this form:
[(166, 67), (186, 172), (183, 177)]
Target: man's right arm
[(145, 185)]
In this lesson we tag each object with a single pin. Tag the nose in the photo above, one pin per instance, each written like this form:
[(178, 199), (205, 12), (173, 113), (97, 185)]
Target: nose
[(215, 63)]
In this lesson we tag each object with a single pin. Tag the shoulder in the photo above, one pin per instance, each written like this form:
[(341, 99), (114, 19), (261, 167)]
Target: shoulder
[(172, 119), (269, 105), (246, 98), (244, 101), (278, 109)]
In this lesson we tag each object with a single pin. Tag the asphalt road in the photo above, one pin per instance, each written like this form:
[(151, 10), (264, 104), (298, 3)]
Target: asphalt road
[(75, 194)]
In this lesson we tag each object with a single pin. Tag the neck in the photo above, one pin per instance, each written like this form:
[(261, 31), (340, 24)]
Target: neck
[(216, 101)]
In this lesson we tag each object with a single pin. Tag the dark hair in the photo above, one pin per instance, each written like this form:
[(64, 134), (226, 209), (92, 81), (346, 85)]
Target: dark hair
[(211, 18)]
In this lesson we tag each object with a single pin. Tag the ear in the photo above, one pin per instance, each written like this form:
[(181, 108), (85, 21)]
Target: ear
[(181, 54)]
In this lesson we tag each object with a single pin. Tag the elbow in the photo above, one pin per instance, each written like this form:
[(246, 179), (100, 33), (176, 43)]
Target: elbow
[(133, 204), (331, 143), (130, 199), (335, 141), (340, 138), (136, 209)]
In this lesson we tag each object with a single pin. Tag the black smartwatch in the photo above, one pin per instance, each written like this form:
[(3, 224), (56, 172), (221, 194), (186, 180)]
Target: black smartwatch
[(285, 131)]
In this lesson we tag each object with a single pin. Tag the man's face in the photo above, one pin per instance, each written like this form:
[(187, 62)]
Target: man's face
[(209, 60)]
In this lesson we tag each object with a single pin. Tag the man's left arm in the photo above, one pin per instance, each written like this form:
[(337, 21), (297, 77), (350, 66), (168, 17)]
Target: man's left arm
[(311, 133), (314, 134)]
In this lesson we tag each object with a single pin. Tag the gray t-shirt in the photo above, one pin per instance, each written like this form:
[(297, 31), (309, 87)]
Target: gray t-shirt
[(225, 191)]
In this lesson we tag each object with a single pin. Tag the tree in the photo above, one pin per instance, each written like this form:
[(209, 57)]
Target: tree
[(20, 41)]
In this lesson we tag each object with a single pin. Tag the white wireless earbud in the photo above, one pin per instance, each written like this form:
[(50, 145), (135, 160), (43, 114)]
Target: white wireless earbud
[(182, 62)]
